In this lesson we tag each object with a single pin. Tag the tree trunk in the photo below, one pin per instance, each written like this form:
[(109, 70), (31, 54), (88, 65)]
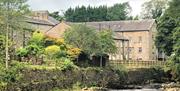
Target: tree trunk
[(7, 48), (7, 38), (100, 61)]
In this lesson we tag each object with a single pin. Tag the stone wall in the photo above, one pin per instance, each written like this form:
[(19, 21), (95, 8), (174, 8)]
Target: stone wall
[(45, 80)]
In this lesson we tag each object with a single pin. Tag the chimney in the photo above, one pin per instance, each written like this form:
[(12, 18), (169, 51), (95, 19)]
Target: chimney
[(42, 15)]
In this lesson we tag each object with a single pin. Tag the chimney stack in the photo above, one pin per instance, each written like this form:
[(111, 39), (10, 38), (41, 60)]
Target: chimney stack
[(42, 15)]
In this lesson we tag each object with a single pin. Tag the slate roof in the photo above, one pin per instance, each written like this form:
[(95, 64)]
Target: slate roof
[(127, 25), (36, 20), (58, 30)]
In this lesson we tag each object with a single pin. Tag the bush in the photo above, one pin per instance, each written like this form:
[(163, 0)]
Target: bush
[(12, 74), (67, 64), (22, 52), (52, 51), (37, 38), (176, 72)]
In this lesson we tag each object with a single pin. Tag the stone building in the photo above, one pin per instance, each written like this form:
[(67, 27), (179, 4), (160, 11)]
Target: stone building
[(42, 21), (38, 20), (134, 38)]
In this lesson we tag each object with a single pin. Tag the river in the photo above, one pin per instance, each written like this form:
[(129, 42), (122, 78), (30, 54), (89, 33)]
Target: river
[(138, 90)]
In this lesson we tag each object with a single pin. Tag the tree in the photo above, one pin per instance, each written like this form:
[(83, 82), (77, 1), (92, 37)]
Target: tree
[(153, 9), (91, 42), (101, 13), (69, 15), (168, 38), (118, 12), (164, 41), (12, 13), (174, 9), (82, 37), (106, 44), (56, 16)]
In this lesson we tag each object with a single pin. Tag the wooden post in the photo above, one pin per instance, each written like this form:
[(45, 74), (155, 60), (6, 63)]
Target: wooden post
[(128, 50), (123, 49)]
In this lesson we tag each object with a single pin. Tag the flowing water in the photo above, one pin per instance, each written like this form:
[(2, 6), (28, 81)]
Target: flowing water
[(138, 90)]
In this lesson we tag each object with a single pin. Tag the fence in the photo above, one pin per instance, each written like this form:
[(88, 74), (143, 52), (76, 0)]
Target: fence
[(137, 64)]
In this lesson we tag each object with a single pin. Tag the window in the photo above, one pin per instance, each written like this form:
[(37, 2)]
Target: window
[(139, 58), (130, 49), (140, 49), (140, 39)]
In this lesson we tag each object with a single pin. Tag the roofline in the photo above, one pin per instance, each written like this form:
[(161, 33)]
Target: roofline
[(41, 23), (130, 30), (113, 21)]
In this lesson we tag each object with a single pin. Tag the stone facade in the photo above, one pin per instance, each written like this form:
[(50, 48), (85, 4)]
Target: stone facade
[(134, 38)]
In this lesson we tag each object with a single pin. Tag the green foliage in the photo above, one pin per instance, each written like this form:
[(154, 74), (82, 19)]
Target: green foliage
[(121, 71), (34, 49), (106, 42), (118, 12), (30, 50), (153, 9), (89, 41), (56, 16), (2, 46), (168, 39), (174, 9), (67, 64), (22, 52), (11, 74), (52, 51), (37, 38), (82, 37), (164, 41), (101, 13)]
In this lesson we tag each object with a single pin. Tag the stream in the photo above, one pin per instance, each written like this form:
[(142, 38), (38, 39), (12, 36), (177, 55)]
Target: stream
[(138, 90)]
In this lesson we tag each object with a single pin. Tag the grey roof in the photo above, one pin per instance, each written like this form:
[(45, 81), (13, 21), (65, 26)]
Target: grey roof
[(50, 21), (127, 25), (53, 20)]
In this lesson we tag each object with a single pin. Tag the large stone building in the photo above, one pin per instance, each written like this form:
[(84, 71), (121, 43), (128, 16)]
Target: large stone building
[(134, 38)]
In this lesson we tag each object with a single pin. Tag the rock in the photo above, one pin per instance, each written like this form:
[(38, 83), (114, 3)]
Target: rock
[(171, 87), (94, 89)]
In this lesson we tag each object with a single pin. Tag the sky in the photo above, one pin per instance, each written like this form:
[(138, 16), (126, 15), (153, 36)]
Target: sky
[(63, 5)]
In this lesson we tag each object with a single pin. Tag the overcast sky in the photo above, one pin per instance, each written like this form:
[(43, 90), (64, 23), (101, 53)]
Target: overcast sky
[(59, 5)]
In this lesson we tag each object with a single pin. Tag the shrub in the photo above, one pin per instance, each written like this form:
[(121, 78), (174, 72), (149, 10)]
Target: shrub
[(175, 72), (22, 52), (73, 52), (12, 74), (37, 38), (67, 64), (52, 51), (59, 41)]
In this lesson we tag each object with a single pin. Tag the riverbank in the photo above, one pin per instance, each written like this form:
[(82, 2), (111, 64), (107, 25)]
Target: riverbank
[(42, 78)]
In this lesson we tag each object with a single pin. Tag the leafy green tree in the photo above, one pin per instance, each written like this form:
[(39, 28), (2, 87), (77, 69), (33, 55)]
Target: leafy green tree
[(82, 37), (90, 41), (174, 9), (153, 9), (168, 38), (164, 41), (69, 15), (12, 13), (101, 13), (119, 12), (56, 16), (106, 44)]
